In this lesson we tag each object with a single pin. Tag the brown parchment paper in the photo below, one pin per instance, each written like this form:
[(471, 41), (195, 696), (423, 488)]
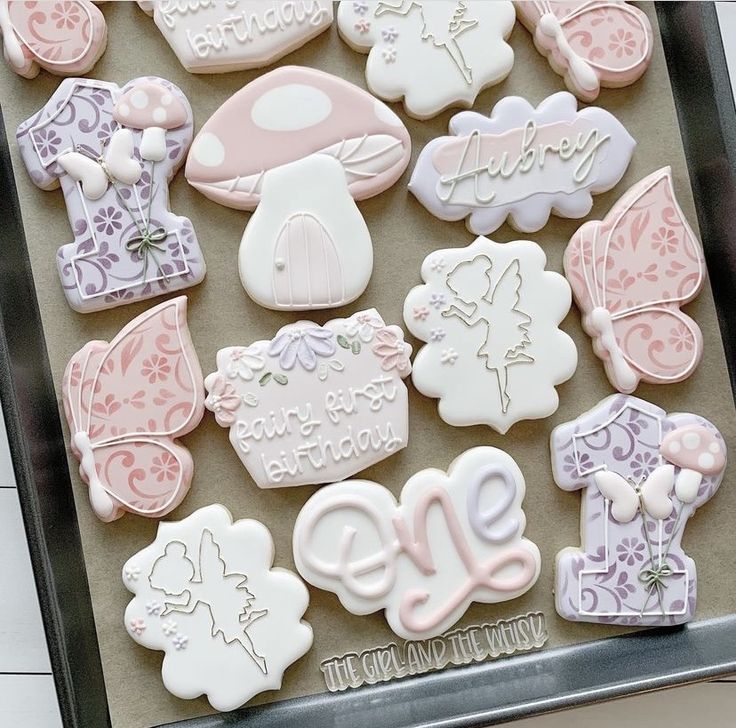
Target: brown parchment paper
[(220, 314)]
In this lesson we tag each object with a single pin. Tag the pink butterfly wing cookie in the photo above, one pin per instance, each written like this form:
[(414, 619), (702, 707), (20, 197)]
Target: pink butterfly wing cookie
[(590, 44), (630, 273), (66, 37), (125, 402)]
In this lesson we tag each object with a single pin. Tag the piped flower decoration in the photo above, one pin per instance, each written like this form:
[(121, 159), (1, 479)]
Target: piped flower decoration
[(393, 351), (223, 400), (364, 326), (302, 345), (244, 363)]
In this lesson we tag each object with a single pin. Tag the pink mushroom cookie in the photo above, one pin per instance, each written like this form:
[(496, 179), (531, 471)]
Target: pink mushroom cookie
[(603, 43), (643, 474), (630, 273), (125, 402), (216, 37), (114, 151), (65, 38), (301, 146), (315, 404)]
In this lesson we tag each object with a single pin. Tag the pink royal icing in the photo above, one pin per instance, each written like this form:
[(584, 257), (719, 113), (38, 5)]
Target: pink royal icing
[(66, 37), (452, 539), (592, 43), (125, 403), (630, 273)]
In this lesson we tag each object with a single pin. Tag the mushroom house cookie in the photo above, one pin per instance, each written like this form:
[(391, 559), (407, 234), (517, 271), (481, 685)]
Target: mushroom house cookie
[(630, 273), (208, 36), (315, 404), (114, 151), (65, 38), (125, 403), (644, 473), (450, 540), (590, 43), (522, 163), (434, 53), (302, 146), (206, 594), (489, 315)]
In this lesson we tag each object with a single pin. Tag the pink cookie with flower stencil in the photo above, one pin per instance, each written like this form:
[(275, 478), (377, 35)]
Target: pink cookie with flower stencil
[(630, 273), (603, 43), (125, 403), (65, 38), (301, 145), (315, 404)]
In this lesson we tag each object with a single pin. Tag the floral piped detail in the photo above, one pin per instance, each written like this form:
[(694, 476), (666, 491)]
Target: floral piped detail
[(244, 363), (180, 641), (137, 626), (302, 346), (449, 356), (223, 400), (132, 573), (393, 350)]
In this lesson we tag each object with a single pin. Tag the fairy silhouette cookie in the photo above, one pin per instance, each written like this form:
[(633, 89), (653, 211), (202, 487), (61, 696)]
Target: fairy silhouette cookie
[(643, 473), (66, 38), (522, 163), (376, 552), (211, 37), (207, 596), (595, 44), (126, 402), (630, 273), (489, 315), (433, 54), (114, 151)]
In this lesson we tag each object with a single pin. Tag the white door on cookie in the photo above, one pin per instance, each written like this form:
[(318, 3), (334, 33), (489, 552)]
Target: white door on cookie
[(306, 246), (307, 270)]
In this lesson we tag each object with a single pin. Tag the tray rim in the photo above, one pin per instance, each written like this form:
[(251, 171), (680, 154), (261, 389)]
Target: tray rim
[(454, 698)]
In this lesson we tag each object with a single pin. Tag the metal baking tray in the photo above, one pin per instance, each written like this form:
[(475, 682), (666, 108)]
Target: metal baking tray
[(466, 697)]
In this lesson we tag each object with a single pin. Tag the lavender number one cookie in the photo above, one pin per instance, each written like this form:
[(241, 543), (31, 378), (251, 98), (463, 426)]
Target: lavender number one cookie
[(644, 473)]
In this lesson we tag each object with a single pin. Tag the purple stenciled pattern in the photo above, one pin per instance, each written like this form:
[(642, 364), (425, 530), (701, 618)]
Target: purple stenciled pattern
[(102, 268), (623, 434)]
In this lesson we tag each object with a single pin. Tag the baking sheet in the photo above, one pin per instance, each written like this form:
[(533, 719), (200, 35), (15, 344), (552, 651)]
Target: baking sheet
[(220, 314)]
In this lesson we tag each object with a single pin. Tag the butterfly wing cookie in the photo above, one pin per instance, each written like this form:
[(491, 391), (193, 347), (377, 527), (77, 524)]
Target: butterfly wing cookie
[(125, 403), (630, 273)]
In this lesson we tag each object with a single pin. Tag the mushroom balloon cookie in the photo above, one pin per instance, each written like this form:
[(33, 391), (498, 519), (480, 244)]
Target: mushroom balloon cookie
[(433, 53), (644, 473), (490, 316), (301, 146), (591, 43), (216, 37), (114, 152), (630, 273), (65, 38)]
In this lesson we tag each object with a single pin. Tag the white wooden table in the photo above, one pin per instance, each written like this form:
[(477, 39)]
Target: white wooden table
[(28, 698)]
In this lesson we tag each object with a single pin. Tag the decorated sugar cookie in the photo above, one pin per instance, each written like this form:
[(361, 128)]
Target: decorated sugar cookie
[(451, 539), (489, 315), (644, 473), (433, 54), (64, 37), (302, 146), (590, 43), (114, 152), (207, 596), (216, 37), (522, 163), (125, 403), (315, 404), (630, 273)]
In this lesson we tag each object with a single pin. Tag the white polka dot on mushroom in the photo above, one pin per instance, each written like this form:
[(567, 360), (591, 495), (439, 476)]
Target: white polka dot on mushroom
[(166, 99), (706, 460), (139, 99), (124, 110), (715, 448), (675, 447), (691, 440), (159, 115)]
